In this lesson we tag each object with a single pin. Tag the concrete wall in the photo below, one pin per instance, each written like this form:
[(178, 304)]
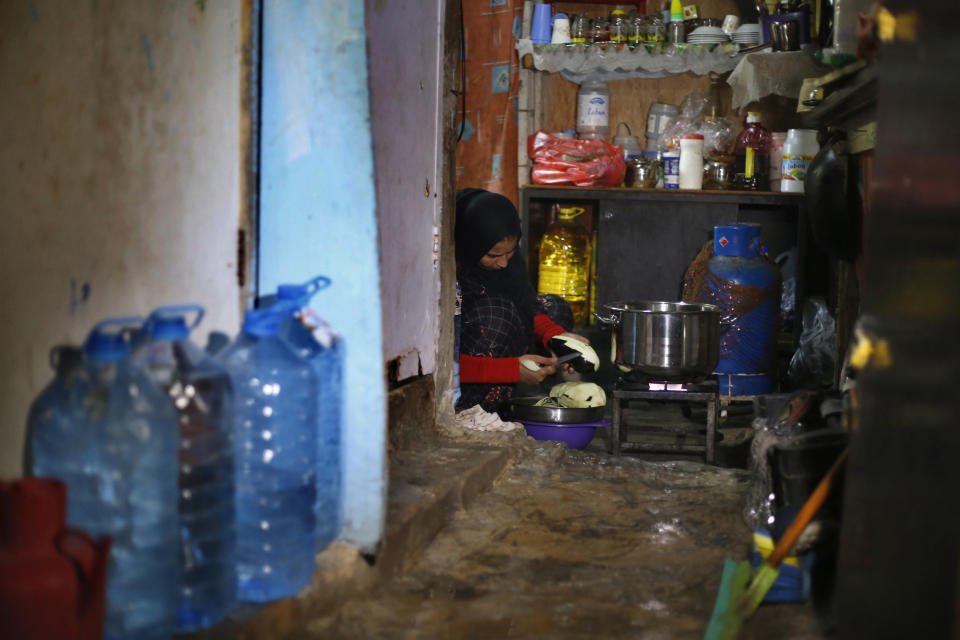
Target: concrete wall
[(121, 178), (318, 216), (406, 84)]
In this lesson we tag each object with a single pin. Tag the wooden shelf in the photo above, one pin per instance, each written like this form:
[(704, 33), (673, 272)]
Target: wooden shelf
[(673, 195)]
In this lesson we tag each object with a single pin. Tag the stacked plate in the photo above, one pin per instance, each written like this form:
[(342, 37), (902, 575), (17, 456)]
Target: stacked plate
[(707, 35), (747, 34)]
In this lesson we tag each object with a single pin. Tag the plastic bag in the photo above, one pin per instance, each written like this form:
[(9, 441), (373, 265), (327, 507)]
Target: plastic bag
[(585, 163), (813, 362), (780, 421), (687, 121), (718, 134)]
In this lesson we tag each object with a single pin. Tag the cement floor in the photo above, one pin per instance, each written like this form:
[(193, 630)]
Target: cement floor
[(570, 545)]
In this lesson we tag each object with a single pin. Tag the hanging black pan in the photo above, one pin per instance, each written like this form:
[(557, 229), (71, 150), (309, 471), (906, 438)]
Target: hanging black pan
[(834, 199)]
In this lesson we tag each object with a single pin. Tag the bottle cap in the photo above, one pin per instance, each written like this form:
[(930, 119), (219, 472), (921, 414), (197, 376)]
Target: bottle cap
[(111, 346), (676, 11), (691, 136), (169, 329), (261, 322), (170, 323), (753, 116), (569, 213)]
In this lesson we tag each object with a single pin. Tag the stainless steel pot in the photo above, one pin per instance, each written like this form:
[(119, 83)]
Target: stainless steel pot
[(642, 172), (666, 341)]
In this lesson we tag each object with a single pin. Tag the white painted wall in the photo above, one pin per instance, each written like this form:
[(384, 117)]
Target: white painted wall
[(405, 42), (120, 175)]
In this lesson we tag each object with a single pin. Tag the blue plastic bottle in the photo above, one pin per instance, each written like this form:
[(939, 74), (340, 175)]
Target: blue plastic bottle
[(202, 395), (315, 341), (275, 434), (115, 446), (47, 420)]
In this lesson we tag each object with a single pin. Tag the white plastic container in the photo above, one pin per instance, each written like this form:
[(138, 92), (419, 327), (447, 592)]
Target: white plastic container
[(691, 161), (671, 169), (593, 109), (629, 143), (798, 151), (561, 29)]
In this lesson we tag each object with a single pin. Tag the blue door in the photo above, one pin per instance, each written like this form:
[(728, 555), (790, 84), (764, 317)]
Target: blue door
[(317, 216)]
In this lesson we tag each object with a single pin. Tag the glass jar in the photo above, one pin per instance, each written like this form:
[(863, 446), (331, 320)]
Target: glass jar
[(638, 31), (619, 28), (656, 29), (601, 31), (581, 29)]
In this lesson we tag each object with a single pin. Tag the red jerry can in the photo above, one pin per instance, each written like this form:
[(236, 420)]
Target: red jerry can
[(52, 579)]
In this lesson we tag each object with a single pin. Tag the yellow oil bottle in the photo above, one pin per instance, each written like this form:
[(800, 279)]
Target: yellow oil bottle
[(565, 263)]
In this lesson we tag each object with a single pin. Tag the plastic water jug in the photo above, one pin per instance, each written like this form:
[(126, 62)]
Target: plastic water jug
[(202, 395), (47, 408), (52, 579), (114, 444), (317, 342), (275, 435)]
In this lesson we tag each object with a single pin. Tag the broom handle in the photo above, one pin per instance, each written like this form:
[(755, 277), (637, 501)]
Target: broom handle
[(810, 508)]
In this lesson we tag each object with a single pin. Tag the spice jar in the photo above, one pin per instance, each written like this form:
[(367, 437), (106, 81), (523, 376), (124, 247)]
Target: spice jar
[(581, 29)]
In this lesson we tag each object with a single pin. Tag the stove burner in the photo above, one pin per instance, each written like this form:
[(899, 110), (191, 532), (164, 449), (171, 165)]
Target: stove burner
[(666, 386)]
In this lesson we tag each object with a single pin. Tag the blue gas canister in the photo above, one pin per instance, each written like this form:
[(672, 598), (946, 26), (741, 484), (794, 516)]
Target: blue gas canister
[(746, 285)]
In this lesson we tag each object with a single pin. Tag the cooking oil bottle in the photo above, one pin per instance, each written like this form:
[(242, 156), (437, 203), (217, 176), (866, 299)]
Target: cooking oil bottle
[(565, 262)]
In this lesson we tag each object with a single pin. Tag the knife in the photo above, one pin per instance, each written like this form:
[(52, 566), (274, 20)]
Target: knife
[(533, 366)]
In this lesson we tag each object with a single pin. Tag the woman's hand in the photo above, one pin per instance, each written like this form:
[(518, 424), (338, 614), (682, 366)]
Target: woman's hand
[(544, 367)]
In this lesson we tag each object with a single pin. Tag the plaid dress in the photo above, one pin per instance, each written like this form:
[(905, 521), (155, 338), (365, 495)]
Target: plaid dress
[(491, 326)]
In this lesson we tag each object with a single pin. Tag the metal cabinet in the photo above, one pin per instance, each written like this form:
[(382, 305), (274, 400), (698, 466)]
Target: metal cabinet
[(646, 239)]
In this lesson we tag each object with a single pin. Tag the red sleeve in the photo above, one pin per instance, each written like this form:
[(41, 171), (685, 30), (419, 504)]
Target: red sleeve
[(545, 328), (484, 369)]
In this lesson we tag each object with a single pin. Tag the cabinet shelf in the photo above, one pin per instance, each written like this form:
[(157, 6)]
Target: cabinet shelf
[(566, 192), (656, 60)]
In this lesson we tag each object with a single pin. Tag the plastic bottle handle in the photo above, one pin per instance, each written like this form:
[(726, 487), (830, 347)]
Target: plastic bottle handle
[(316, 284), (178, 310)]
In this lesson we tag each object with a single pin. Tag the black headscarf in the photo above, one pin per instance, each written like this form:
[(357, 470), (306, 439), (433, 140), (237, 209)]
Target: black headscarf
[(483, 220)]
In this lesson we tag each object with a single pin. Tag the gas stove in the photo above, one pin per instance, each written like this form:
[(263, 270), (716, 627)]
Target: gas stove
[(638, 388)]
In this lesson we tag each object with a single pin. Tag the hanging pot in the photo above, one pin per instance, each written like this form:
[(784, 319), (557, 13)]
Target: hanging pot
[(665, 341)]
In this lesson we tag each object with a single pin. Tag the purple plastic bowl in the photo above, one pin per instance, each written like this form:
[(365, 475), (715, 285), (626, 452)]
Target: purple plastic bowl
[(575, 436)]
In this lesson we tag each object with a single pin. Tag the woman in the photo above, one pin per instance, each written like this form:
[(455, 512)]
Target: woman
[(500, 313)]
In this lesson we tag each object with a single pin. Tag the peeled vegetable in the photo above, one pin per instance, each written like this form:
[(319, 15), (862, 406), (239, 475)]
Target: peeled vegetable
[(578, 395), (586, 362)]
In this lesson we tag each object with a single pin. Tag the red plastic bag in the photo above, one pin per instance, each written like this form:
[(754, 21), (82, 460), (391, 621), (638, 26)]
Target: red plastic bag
[(585, 163)]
